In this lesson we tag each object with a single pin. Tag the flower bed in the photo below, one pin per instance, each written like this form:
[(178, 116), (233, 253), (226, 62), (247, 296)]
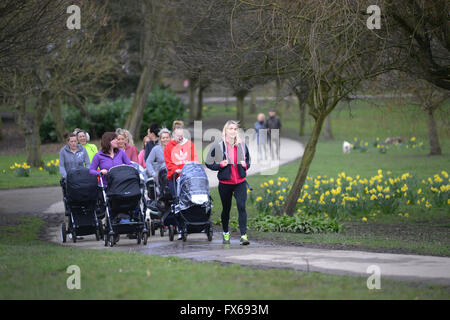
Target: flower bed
[(344, 195)]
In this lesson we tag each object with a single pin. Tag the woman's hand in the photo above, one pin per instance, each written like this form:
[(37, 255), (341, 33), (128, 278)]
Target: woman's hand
[(104, 171), (178, 171), (224, 163), (244, 164)]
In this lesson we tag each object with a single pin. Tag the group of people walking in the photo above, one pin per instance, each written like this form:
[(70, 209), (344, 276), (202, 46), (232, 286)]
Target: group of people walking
[(163, 148), (268, 135)]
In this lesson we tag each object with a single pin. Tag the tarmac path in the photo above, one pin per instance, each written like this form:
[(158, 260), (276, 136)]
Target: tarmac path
[(45, 203)]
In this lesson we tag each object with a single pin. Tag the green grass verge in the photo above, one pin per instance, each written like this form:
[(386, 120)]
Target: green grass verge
[(32, 269), (37, 178)]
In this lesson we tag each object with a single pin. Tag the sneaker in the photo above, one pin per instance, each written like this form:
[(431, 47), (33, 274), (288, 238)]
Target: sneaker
[(180, 237), (226, 238), (244, 240)]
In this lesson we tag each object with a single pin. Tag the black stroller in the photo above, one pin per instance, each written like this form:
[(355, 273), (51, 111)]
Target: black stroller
[(80, 200), (192, 205), (123, 199), (160, 200)]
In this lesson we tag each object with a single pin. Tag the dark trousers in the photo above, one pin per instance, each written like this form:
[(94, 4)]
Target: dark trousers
[(226, 192)]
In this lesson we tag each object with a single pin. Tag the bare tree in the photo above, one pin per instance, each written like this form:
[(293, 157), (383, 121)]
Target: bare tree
[(332, 48), (83, 58), (157, 28), (421, 29)]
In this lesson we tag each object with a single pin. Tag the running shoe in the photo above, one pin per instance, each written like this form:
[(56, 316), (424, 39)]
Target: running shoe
[(226, 238), (244, 240)]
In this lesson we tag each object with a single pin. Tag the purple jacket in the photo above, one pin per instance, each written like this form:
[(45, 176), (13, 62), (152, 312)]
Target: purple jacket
[(104, 161)]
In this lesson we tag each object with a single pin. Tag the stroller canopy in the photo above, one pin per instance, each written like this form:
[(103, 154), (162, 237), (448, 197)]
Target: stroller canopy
[(193, 186), (123, 181), (81, 186)]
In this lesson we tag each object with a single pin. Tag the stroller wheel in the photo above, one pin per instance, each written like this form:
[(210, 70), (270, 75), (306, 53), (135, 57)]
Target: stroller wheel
[(152, 228), (74, 236), (184, 235), (63, 232), (145, 237), (161, 230), (209, 233), (171, 233), (139, 237), (105, 237), (111, 241)]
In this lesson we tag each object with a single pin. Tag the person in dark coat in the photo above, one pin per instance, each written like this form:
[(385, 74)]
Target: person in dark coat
[(261, 136), (273, 125)]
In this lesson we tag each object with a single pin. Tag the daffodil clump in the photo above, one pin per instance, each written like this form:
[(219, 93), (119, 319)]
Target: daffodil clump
[(21, 170), (414, 144), (345, 195), (363, 146), (52, 167)]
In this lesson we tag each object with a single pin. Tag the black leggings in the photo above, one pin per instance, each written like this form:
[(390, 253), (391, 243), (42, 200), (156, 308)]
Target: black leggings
[(226, 192)]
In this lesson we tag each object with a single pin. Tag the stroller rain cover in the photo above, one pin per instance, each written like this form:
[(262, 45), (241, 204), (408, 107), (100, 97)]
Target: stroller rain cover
[(81, 186), (123, 181), (193, 186)]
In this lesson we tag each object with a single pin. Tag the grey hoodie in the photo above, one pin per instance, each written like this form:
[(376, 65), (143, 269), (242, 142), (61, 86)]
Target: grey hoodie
[(69, 160)]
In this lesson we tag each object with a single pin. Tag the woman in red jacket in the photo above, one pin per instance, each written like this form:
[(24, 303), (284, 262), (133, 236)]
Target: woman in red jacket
[(177, 153), (232, 159)]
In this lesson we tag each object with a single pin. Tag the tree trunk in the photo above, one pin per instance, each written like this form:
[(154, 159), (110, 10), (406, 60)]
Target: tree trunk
[(199, 111), (435, 147), (278, 98), (252, 102), (30, 123), (240, 96), (134, 119), (328, 133), (302, 109), (310, 150), (55, 109), (150, 55), (192, 105)]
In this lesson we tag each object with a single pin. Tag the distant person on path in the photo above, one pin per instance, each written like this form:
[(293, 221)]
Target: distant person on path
[(125, 142), (152, 133), (82, 138), (261, 136), (273, 122), (232, 159)]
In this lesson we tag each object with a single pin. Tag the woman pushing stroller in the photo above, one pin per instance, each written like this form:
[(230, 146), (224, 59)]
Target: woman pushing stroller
[(231, 158), (177, 153)]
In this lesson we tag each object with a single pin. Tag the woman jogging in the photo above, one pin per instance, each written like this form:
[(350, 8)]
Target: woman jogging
[(232, 159)]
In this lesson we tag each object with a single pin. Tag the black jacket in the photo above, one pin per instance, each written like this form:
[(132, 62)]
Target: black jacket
[(217, 154)]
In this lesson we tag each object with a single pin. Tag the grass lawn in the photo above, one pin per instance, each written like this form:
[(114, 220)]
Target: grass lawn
[(9, 180), (32, 269)]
